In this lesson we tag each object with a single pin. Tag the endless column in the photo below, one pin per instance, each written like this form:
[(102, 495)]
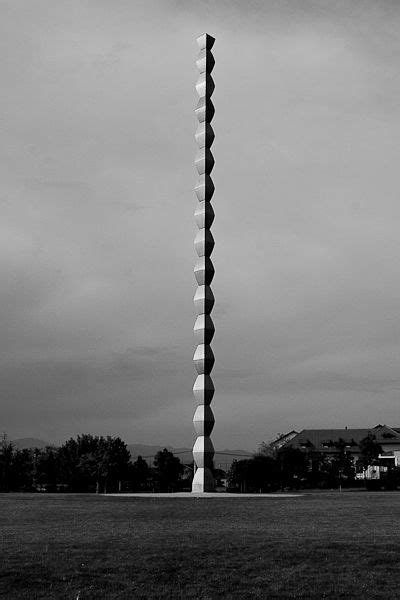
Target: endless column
[(203, 450)]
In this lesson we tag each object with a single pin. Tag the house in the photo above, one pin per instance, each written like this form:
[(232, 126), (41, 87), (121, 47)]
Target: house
[(329, 442)]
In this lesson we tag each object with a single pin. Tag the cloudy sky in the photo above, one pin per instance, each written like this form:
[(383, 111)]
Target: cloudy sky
[(96, 217)]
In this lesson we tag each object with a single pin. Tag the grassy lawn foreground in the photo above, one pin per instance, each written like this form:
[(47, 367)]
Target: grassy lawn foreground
[(316, 546)]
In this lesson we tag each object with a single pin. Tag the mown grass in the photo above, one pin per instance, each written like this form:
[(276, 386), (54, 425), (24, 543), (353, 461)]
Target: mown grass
[(314, 546)]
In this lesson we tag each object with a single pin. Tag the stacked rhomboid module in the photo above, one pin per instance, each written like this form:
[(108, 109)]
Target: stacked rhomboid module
[(203, 450)]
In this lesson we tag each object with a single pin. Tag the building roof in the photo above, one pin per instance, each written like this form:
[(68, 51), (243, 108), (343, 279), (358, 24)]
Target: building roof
[(325, 440), (283, 439)]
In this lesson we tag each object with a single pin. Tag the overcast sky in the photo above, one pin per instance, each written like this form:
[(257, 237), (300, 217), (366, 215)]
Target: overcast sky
[(96, 217)]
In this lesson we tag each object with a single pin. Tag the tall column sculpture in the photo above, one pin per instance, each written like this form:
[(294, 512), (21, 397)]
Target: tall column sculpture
[(203, 389)]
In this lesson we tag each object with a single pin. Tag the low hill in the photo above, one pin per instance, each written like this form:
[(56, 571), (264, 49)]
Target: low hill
[(26, 443), (223, 458)]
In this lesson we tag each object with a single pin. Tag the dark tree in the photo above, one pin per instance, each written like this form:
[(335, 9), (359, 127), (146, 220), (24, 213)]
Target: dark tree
[(263, 474), (219, 475), (22, 470), (113, 459), (92, 463), (45, 468), (16, 468), (79, 464), (266, 449), (342, 465), (167, 470), (68, 459), (369, 449), (237, 475), (6, 460), (319, 474), (140, 474), (257, 474), (294, 467)]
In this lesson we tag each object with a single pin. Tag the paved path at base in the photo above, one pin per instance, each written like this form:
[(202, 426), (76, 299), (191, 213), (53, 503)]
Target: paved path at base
[(203, 495)]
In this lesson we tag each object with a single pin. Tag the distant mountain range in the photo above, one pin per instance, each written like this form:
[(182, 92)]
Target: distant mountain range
[(26, 443), (223, 458)]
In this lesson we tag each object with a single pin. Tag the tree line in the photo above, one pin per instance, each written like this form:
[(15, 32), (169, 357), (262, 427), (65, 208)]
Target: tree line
[(88, 464), (103, 464), (291, 468)]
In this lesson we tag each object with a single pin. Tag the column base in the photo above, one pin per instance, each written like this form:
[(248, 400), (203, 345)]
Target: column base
[(203, 481)]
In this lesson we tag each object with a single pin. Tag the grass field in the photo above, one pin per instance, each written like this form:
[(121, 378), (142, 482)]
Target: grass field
[(326, 545)]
